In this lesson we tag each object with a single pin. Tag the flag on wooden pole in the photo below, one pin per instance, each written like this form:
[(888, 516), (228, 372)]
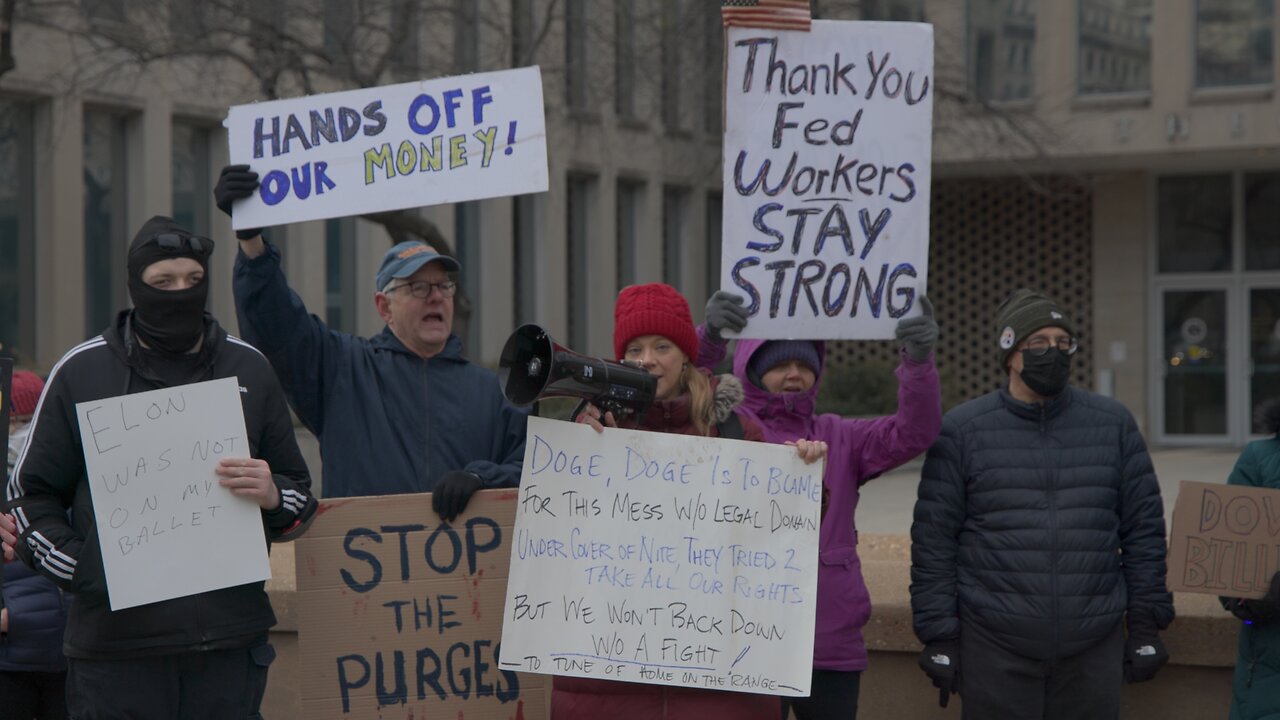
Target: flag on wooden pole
[(771, 14)]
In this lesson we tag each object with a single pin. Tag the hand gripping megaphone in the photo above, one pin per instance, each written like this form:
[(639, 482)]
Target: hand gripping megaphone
[(533, 366)]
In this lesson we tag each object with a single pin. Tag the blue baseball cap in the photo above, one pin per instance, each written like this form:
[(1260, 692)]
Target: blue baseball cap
[(405, 258)]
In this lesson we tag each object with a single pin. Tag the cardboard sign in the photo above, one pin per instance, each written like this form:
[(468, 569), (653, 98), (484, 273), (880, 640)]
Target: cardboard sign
[(386, 148), (150, 459), (399, 615), (1225, 540), (665, 559), (827, 152)]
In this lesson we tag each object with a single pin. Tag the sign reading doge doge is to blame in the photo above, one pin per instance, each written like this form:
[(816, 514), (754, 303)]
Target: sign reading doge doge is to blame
[(664, 559)]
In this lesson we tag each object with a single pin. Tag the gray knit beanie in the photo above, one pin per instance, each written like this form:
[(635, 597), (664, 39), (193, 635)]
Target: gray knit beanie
[(1021, 314)]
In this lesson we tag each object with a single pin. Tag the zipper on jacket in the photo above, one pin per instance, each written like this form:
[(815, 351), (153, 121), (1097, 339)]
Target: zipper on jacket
[(426, 421), (1053, 547)]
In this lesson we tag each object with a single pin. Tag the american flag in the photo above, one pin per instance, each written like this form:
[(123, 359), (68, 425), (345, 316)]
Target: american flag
[(771, 14)]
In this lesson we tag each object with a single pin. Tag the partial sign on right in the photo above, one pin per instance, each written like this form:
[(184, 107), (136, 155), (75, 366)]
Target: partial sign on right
[(1225, 540), (827, 148)]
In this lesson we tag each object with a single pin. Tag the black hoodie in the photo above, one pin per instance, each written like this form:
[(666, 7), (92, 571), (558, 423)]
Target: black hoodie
[(50, 478)]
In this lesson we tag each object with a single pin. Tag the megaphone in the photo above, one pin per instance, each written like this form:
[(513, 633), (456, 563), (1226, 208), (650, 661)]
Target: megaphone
[(533, 366)]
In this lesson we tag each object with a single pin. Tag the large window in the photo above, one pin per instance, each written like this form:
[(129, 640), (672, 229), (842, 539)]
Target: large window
[(524, 228), (405, 38), (625, 59), (712, 69), (340, 274), (1114, 48), (673, 37), (466, 36), (1194, 227), (524, 33), (1218, 283), (1234, 42), (893, 10), (715, 230), (17, 232), (466, 230), (581, 190), (105, 234), (1002, 43), (190, 170), (629, 211), (675, 211), (575, 56)]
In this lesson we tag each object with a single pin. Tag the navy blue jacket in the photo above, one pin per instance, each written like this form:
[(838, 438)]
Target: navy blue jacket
[(1041, 523), (388, 421), (37, 617)]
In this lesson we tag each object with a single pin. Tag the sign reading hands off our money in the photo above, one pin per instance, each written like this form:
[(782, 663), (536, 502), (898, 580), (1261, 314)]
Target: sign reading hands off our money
[(665, 559)]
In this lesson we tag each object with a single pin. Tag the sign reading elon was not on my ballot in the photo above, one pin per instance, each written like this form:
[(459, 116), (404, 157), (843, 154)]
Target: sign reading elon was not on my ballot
[(385, 148), (828, 139), (665, 559)]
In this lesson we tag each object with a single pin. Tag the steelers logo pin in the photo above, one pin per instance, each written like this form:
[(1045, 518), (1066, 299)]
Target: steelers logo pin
[(1006, 338)]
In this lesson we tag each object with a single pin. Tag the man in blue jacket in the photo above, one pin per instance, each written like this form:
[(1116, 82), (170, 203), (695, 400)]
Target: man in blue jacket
[(1037, 551), (400, 412)]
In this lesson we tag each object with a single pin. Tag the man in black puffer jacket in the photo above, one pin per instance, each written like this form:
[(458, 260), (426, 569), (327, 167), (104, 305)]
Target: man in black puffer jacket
[(1038, 538)]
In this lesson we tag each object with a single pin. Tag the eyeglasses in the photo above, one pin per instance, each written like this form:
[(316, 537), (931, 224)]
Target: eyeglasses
[(421, 289), (176, 243), (1040, 345)]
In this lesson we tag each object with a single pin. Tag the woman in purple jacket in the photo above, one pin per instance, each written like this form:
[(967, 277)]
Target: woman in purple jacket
[(780, 378)]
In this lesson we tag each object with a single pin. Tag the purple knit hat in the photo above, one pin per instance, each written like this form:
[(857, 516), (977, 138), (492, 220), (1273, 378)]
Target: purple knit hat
[(776, 352)]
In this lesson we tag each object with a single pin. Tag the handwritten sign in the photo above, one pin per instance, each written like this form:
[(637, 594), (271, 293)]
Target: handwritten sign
[(386, 148), (1225, 540), (166, 527), (397, 609), (827, 153), (664, 559)]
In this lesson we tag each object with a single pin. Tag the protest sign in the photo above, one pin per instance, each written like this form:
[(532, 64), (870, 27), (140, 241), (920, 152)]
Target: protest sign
[(1225, 539), (399, 614), (827, 147), (666, 559), (150, 459), (386, 148)]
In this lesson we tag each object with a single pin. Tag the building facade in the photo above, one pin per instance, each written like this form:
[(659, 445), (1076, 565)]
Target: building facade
[(1122, 155)]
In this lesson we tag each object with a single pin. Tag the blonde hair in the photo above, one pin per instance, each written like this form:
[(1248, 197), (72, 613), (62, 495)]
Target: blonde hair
[(702, 406)]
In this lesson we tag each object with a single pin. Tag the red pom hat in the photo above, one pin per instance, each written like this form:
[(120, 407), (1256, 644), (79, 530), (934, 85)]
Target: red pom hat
[(653, 309), (25, 393)]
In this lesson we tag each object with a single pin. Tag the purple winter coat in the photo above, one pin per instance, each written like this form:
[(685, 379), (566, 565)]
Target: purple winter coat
[(857, 451)]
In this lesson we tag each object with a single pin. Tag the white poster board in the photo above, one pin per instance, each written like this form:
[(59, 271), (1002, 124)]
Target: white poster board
[(166, 527), (828, 141), (665, 559), (386, 148)]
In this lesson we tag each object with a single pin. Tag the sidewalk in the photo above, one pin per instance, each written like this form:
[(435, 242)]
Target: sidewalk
[(887, 501)]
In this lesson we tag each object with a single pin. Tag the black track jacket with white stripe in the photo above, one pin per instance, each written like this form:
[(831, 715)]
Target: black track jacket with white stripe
[(50, 478)]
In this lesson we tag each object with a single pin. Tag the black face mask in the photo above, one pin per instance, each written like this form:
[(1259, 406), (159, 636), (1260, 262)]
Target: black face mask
[(170, 321), (1046, 375)]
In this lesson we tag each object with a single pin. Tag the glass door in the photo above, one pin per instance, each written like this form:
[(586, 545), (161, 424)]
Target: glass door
[(1194, 363), (1264, 350)]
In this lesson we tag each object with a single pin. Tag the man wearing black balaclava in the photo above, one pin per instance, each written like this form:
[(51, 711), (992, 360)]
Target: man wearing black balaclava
[(199, 656), (1038, 554)]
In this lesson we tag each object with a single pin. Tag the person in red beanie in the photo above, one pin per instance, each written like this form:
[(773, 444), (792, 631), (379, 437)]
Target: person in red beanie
[(33, 611), (652, 328)]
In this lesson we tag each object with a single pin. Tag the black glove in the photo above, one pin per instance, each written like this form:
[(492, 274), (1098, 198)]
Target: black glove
[(236, 183), (453, 492), (918, 334), (1258, 611), (725, 312), (941, 662), (1144, 654)]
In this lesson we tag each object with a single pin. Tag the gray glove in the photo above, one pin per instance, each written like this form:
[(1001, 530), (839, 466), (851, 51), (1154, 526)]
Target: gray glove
[(917, 334), (725, 311)]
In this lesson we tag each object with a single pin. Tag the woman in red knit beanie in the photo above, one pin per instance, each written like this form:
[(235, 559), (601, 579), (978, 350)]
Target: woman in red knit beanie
[(652, 328)]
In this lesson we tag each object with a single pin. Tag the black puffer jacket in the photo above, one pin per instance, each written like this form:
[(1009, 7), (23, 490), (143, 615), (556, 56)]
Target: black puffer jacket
[(1042, 524)]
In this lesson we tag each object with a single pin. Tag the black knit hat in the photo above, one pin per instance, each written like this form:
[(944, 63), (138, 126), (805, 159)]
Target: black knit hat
[(1022, 313)]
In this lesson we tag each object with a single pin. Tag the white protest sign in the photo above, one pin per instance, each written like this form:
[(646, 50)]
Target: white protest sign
[(828, 139), (166, 527), (666, 559), (398, 146)]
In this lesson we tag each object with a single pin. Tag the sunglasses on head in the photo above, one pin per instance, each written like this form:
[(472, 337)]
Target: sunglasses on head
[(176, 243)]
